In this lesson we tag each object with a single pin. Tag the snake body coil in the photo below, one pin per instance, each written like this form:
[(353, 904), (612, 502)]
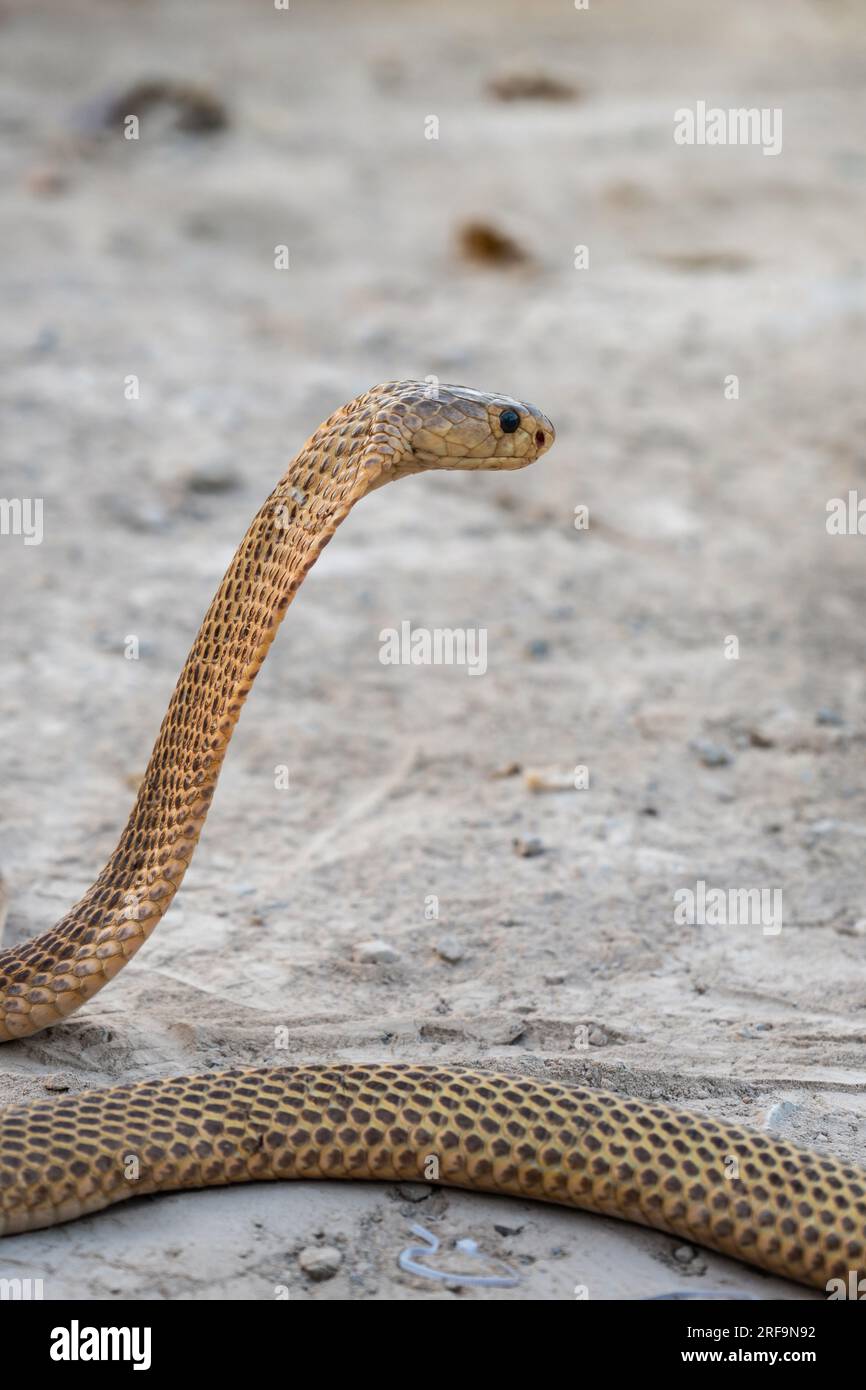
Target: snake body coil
[(784, 1209)]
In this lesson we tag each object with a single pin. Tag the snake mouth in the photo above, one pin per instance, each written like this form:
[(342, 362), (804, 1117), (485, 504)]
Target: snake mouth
[(421, 462), (504, 458)]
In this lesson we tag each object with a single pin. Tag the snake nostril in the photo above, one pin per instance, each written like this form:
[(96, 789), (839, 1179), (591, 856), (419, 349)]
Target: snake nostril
[(539, 437)]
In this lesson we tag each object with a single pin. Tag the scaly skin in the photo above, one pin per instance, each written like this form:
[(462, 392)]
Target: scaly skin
[(791, 1212), (784, 1209)]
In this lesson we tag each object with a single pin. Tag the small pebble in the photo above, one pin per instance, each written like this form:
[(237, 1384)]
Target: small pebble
[(449, 949), (751, 1030), (532, 86), (529, 848), (828, 716), (484, 243), (195, 109), (779, 1115), (376, 952), (413, 1191), (507, 770), (597, 1038), (684, 1254), (320, 1261), (758, 739), (711, 754), (212, 475)]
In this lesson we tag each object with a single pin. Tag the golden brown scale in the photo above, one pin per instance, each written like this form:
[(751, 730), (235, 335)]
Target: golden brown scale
[(788, 1211), (782, 1208)]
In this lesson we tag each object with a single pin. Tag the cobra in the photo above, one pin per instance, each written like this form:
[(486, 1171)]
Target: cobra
[(750, 1195)]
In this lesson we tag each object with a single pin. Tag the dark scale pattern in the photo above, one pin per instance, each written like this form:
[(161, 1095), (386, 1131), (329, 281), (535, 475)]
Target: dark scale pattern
[(789, 1211)]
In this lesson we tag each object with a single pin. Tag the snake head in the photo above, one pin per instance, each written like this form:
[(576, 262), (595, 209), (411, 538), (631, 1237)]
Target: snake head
[(443, 426)]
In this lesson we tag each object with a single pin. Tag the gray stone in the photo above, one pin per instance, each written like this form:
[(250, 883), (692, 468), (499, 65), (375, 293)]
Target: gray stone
[(449, 949), (528, 848), (320, 1261), (376, 952), (413, 1191), (711, 754)]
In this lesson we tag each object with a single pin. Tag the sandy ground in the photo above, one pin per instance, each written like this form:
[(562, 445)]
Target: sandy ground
[(606, 646)]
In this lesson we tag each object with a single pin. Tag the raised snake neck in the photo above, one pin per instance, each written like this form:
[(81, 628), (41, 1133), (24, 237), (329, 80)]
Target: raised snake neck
[(47, 978), (785, 1209)]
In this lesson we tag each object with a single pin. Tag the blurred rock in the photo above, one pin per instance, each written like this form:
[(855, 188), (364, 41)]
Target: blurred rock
[(375, 952), (528, 848), (487, 245), (320, 1261), (449, 949), (711, 754), (532, 86)]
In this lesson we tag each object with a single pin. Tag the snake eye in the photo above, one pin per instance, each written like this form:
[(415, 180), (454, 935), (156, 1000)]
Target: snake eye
[(509, 420)]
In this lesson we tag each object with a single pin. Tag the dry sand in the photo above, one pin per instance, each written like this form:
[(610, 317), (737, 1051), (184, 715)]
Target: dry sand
[(606, 647)]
